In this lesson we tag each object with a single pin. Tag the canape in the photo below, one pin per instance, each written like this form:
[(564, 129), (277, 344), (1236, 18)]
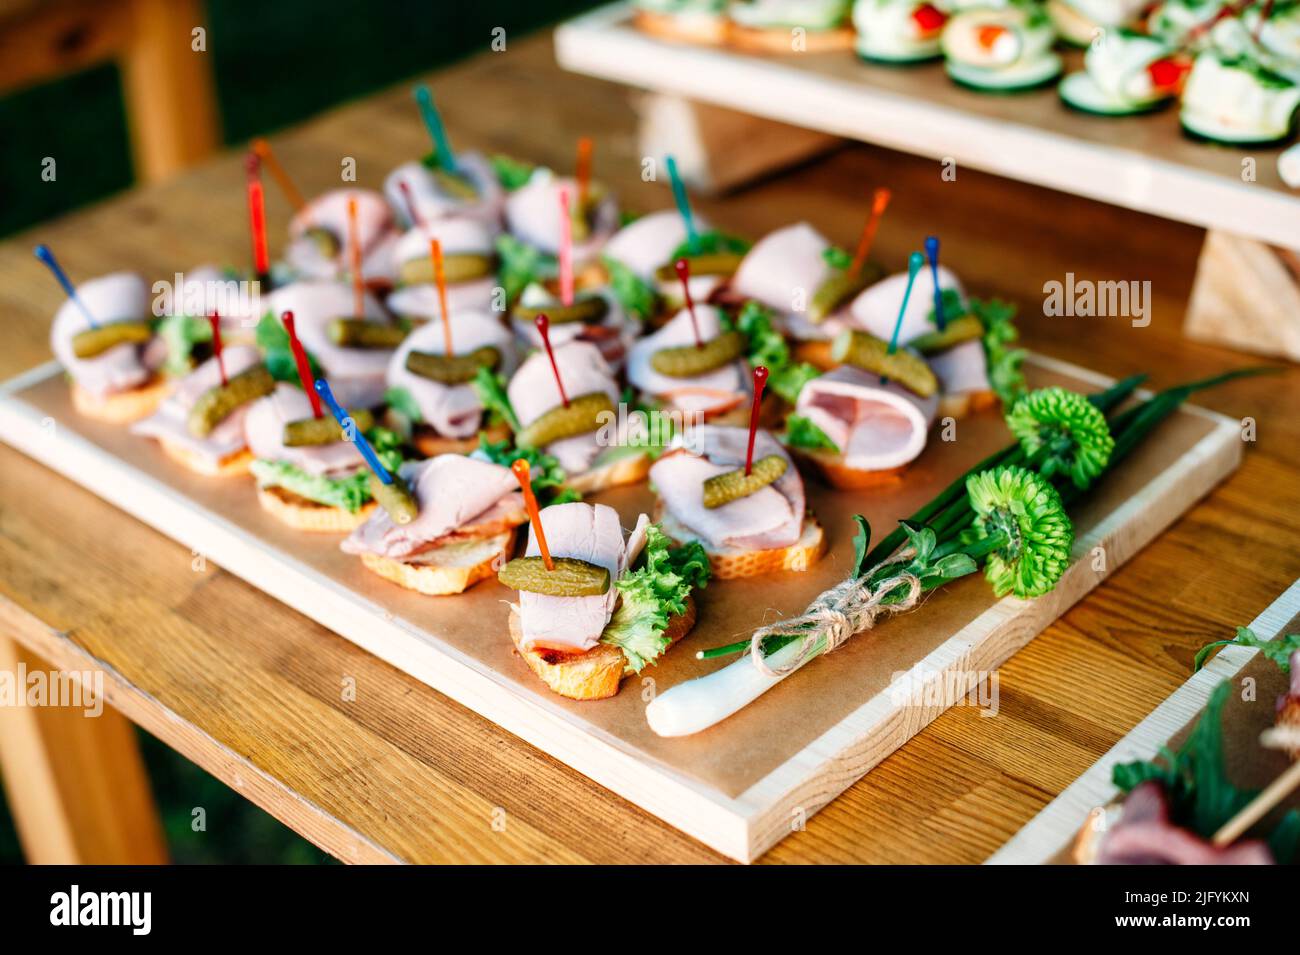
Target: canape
[(749, 524), (469, 267), (201, 423), (768, 26), (1125, 73), (694, 365), (435, 393), (1000, 48), (104, 339), (462, 531), (594, 607), (319, 236), (1235, 100), (422, 192), (898, 31), (533, 215), (693, 21), (643, 253), (595, 315)]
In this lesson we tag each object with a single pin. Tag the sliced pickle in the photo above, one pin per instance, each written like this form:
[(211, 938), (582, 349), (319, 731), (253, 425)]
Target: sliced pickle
[(569, 578), (839, 288), (725, 488), (359, 333), (687, 361), (582, 415), (96, 341), (872, 354), (458, 267), (590, 309), (455, 185), (452, 369), (215, 404), (710, 263), (326, 242), (395, 499), (583, 212), (324, 430), (964, 328)]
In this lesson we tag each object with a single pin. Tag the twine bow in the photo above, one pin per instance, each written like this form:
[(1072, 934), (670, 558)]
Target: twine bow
[(837, 614)]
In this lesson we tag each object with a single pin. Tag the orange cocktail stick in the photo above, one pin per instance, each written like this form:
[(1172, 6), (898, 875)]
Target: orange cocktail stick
[(584, 170), (878, 203), (354, 247), (520, 467), (440, 280), (264, 153)]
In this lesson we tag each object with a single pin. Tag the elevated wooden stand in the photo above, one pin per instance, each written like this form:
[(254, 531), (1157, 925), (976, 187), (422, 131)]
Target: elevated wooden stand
[(1246, 296)]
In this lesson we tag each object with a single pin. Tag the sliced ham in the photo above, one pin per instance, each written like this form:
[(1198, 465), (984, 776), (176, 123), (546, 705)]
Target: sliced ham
[(1145, 835), (533, 391), (533, 216), (961, 369), (771, 517), (712, 391), (875, 310), (170, 422), (457, 237), (422, 302), (875, 426), (119, 297), (433, 202), (264, 433), (454, 493), (452, 410), (206, 289), (375, 232), (613, 334), (784, 269), (647, 243), (589, 532)]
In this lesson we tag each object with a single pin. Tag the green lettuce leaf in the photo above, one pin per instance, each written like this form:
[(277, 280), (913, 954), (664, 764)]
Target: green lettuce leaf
[(837, 258), (350, 493), (651, 594), (491, 389), (544, 472), (1279, 650), (512, 173), (274, 342), (1005, 376), (802, 433), (635, 295), (400, 400), (768, 347), (521, 264), (711, 242)]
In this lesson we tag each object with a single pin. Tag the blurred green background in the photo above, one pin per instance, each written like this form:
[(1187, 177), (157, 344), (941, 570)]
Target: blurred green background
[(275, 64)]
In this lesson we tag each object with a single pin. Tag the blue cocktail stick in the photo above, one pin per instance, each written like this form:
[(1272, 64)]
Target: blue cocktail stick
[(914, 263), (932, 253), (683, 205), (350, 427), (433, 122), (45, 255)]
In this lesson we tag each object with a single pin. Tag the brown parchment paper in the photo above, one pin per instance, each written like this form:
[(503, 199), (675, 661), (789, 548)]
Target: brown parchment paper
[(1248, 765), (735, 754)]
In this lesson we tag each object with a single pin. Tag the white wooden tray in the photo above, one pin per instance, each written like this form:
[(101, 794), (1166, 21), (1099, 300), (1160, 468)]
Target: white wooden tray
[(1141, 162), (738, 786)]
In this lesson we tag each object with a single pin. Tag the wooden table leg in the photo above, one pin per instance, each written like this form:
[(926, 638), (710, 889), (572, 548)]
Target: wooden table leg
[(1247, 296), (76, 784)]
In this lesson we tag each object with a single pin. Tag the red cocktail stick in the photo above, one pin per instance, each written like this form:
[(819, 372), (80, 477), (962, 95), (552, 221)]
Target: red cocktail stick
[(520, 467), (684, 273), (878, 203), (263, 150), (544, 329), (257, 216), (583, 173), (304, 366), (760, 379), (354, 248), (440, 280), (215, 321), (411, 211), (566, 248)]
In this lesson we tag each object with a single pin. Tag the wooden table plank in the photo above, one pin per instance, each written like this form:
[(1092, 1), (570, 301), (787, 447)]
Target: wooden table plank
[(401, 772)]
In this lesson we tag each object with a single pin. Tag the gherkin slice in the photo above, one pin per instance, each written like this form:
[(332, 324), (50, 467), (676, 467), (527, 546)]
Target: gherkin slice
[(309, 432), (569, 578), (96, 341), (452, 369), (709, 263), (724, 488), (359, 333), (838, 289), (455, 185), (964, 328), (395, 498), (458, 267), (687, 361), (326, 242), (215, 404), (588, 309), (583, 414), (872, 354)]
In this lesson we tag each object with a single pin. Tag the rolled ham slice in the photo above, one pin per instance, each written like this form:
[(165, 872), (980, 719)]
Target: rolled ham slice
[(1145, 835), (356, 374), (454, 493), (453, 411), (875, 310), (533, 216), (264, 433), (875, 426), (713, 391), (119, 297), (784, 269), (613, 335), (771, 517), (170, 422), (433, 202), (375, 231), (647, 243), (962, 369), (589, 532)]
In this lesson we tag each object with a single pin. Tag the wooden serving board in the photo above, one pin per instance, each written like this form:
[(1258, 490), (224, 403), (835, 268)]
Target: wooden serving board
[(740, 786), (1049, 836), (1140, 162)]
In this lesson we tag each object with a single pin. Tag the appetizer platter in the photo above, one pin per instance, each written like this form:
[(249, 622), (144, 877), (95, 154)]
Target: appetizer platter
[(677, 507), (1113, 144), (1209, 777)]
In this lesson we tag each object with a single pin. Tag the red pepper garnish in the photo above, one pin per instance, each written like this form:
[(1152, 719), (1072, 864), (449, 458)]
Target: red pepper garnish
[(929, 19), (1168, 73)]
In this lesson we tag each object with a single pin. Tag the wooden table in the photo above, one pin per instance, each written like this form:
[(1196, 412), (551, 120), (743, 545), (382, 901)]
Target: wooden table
[(255, 693)]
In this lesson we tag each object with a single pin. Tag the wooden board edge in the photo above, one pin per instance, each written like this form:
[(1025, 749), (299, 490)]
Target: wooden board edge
[(846, 752), (590, 44), (1056, 824)]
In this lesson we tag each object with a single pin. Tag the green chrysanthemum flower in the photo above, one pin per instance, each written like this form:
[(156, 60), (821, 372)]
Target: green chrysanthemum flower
[(1019, 517), (1062, 432)]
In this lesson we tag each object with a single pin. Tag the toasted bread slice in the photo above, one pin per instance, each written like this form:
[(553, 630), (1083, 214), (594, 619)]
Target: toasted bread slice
[(230, 465), (732, 562), (693, 29), (593, 674), (817, 354), (304, 514), (451, 569), (430, 443), (781, 39), (1289, 716), (830, 466), (123, 407), (964, 403), (626, 470)]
